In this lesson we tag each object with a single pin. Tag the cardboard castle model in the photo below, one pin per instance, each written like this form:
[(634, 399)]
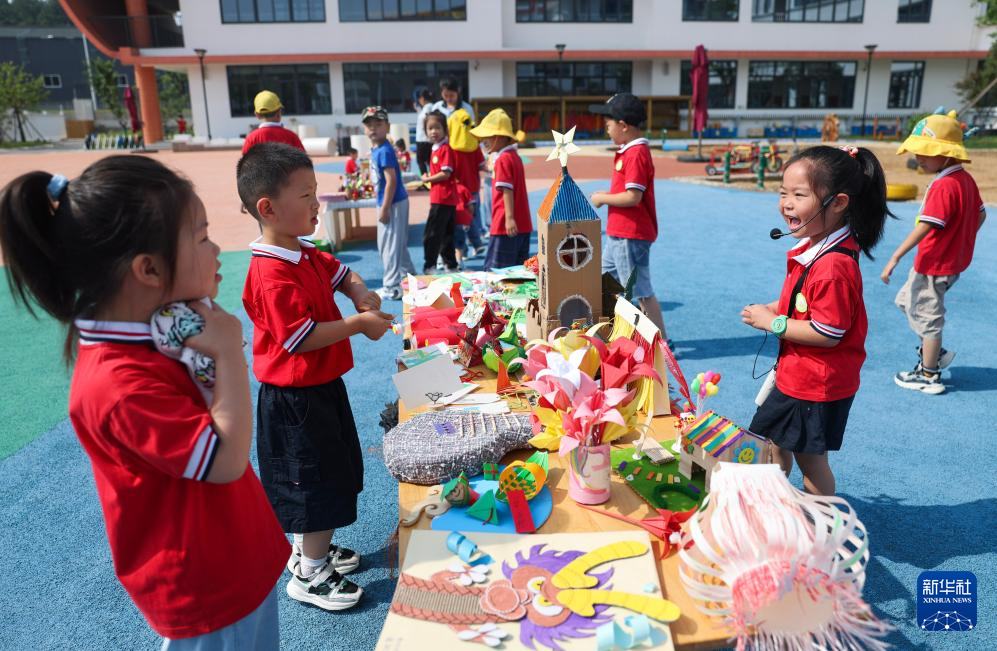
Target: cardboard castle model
[(569, 276)]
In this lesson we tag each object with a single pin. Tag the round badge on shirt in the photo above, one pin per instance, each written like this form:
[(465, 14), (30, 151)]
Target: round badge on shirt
[(801, 303), (436, 159), (619, 165)]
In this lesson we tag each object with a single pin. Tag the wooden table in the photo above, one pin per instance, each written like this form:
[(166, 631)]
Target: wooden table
[(694, 630), (341, 217)]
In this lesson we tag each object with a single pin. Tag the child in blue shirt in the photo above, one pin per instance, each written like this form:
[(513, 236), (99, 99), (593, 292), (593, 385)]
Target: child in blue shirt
[(392, 204)]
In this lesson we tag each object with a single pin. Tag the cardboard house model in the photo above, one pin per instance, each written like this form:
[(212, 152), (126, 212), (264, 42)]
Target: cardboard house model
[(569, 276), (712, 438)]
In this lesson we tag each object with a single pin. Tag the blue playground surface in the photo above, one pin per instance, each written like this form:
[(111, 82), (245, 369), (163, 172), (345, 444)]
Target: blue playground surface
[(913, 466)]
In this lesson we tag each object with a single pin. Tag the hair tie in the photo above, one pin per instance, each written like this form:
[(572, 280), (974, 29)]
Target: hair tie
[(851, 151), (56, 186)]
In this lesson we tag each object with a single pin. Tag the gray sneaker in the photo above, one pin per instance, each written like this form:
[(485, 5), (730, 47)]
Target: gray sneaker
[(327, 589), (945, 357), (343, 560), (916, 380)]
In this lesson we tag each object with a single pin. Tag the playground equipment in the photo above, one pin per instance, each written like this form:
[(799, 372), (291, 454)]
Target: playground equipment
[(745, 158)]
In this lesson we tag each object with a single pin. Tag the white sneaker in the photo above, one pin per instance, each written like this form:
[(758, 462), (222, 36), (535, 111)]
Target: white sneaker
[(389, 293), (945, 357), (916, 380), (327, 589), (343, 560)]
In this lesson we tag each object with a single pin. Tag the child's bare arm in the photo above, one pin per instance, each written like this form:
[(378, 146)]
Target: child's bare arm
[(390, 182), (510, 212), (372, 324), (439, 177), (626, 199), (231, 408), (921, 230), (356, 289), (798, 331)]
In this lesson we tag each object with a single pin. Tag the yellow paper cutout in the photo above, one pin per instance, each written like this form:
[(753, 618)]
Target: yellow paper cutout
[(573, 575), (582, 602), (509, 479)]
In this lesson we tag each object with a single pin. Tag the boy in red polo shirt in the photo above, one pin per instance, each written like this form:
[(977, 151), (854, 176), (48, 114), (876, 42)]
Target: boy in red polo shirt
[(268, 110), (944, 233), (309, 452), (512, 224), (633, 219), (834, 201)]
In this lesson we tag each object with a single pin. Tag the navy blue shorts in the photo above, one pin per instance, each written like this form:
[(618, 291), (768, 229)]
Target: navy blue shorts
[(802, 425), (311, 465), (507, 251)]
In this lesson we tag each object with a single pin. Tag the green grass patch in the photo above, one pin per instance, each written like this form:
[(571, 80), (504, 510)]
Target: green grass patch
[(36, 390), (22, 145), (642, 477), (981, 142)]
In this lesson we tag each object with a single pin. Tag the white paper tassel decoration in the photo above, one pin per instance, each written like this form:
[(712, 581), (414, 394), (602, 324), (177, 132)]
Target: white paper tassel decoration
[(784, 568)]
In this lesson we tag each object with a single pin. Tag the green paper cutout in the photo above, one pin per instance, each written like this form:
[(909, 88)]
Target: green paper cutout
[(484, 509), (540, 458)]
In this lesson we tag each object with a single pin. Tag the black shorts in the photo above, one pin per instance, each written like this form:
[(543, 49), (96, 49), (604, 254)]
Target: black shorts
[(311, 465), (802, 425)]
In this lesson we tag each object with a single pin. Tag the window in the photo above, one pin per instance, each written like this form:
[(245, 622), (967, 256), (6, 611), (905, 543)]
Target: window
[(574, 11), (574, 308), (552, 78), (905, 84), (723, 82), (273, 11), (914, 11), (719, 10), (121, 80), (303, 89), (52, 81), (392, 85), (808, 11), (801, 84), (354, 11), (574, 252)]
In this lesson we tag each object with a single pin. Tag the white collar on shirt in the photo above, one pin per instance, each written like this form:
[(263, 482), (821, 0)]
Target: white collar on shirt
[(948, 170), (439, 144), (93, 332), (264, 125), (635, 141), (270, 251), (508, 148), (829, 242)]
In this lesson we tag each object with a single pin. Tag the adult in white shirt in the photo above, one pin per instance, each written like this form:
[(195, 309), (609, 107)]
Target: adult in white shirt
[(451, 98)]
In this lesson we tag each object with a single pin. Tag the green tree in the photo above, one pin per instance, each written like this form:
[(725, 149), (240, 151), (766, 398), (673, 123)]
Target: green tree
[(19, 92), (32, 13), (103, 77), (174, 94), (977, 81)]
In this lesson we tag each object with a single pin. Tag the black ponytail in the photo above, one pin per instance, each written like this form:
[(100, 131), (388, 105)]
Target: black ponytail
[(69, 254), (832, 169)]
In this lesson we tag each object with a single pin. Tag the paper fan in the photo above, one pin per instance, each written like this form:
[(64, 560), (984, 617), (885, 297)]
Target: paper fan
[(784, 568)]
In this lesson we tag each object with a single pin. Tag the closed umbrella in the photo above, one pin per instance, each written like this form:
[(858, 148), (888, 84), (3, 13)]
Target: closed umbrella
[(132, 108), (700, 77)]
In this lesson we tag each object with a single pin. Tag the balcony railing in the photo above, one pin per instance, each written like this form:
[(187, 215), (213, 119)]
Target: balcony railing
[(140, 31)]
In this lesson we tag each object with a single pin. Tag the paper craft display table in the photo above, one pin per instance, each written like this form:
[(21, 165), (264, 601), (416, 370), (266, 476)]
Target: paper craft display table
[(693, 630), (341, 217)]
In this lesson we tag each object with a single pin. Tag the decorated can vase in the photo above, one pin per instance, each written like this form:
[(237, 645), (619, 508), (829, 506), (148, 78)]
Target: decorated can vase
[(588, 474)]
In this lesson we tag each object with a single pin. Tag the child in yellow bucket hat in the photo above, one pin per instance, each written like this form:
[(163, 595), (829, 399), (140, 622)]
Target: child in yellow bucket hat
[(945, 235), (511, 222)]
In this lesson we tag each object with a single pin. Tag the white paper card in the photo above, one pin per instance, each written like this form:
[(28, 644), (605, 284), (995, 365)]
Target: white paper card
[(427, 382)]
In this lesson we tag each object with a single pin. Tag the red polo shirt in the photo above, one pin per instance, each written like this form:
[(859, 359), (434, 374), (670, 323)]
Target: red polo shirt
[(468, 168), (510, 175), (175, 539), (633, 169), (271, 132), (442, 160), (951, 204), (287, 294), (832, 302)]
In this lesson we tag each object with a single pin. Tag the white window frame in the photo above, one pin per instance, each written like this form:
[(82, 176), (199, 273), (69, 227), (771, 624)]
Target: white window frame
[(587, 241), (56, 77)]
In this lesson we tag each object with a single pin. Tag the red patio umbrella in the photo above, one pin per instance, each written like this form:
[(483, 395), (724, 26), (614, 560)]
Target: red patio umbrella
[(132, 108), (700, 77)]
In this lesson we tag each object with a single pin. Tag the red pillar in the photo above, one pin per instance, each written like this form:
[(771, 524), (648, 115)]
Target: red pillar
[(145, 77)]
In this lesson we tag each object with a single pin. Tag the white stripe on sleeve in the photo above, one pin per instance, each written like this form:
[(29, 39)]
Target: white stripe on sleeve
[(636, 186), (937, 221), (826, 330), (503, 184), (197, 456), (340, 276), (299, 335)]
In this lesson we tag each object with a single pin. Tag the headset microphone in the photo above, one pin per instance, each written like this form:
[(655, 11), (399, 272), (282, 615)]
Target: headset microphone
[(775, 233)]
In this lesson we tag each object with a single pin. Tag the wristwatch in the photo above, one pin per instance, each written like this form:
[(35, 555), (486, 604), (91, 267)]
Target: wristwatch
[(779, 325)]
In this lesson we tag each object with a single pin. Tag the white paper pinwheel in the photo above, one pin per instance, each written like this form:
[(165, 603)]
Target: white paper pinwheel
[(563, 146), (784, 568)]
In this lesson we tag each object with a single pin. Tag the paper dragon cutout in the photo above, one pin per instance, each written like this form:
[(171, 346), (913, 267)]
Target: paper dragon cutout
[(784, 568), (550, 593)]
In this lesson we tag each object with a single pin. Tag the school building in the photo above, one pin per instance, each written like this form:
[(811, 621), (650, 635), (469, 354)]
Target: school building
[(772, 62)]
